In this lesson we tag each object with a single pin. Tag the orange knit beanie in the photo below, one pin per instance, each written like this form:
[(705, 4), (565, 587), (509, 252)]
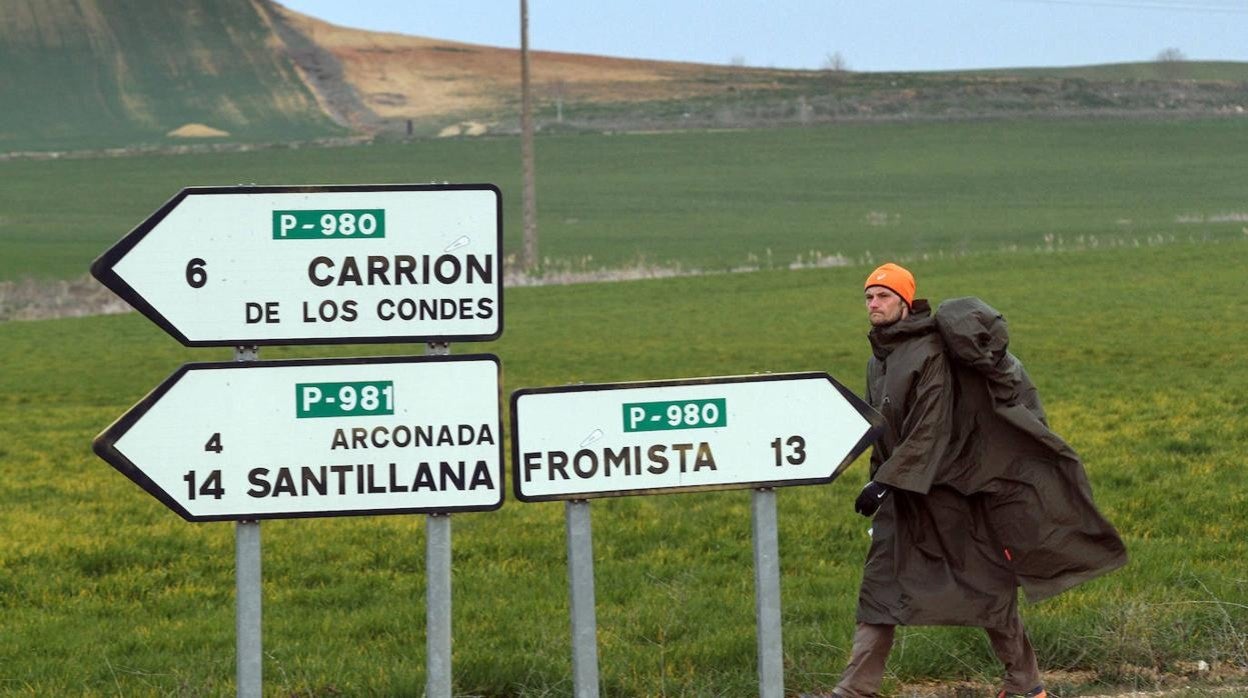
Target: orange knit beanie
[(894, 278)]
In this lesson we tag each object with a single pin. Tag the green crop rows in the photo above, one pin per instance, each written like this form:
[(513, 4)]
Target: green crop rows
[(721, 200)]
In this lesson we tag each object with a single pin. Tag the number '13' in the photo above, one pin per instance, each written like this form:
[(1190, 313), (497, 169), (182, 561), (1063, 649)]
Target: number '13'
[(796, 447)]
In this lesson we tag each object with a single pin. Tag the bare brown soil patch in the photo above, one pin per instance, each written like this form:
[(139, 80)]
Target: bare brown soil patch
[(464, 128), (197, 131), (30, 299), (408, 77)]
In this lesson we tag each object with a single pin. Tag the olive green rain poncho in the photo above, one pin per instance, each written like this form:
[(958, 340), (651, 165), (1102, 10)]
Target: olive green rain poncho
[(985, 497)]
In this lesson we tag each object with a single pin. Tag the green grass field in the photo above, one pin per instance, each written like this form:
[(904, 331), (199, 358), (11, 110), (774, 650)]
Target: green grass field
[(1114, 248), (719, 200), (1136, 351)]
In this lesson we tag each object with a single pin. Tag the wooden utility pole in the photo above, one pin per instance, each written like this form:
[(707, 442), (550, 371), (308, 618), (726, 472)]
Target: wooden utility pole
[(528, 186)]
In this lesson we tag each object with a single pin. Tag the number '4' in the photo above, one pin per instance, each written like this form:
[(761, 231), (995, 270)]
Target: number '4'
[(214, 443)]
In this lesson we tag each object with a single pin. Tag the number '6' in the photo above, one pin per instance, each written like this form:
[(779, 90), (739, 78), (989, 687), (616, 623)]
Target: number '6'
[(196, 277)]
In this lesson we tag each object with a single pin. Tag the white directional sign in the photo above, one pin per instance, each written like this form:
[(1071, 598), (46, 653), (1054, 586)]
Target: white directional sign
[(582, 441), (231, 266), (326, 437)]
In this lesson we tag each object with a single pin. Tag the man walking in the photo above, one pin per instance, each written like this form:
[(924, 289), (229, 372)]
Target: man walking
[(972, 495)]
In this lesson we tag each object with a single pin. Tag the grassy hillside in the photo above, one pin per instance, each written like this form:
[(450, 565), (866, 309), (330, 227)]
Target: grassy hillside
[(1228, 71), (394, 83), (105, 592), (109, 73), (719, 200), (93, 74)]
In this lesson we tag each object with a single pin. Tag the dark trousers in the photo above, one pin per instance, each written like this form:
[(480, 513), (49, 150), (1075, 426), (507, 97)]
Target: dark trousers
[(872, 644)]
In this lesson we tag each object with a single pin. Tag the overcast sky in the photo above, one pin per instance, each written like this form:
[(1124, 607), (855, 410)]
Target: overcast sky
[(870, 35)]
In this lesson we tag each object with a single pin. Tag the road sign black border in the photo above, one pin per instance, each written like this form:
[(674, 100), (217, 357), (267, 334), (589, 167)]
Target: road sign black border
[(102, 267), (104, 444), (875, 419)]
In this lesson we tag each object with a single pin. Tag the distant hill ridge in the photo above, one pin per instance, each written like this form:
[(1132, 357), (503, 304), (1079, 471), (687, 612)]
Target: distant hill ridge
[(94, 74)]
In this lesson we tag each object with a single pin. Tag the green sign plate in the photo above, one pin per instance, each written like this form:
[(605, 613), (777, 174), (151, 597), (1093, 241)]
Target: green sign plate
[(354, 399), (318, 224), (675, 414)]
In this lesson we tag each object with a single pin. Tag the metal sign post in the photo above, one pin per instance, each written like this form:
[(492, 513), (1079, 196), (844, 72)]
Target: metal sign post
[(583, 441), (767, 593), (581, 587), (438, 606), (248, 625), (267, 265), (438, 590), (249, 652)]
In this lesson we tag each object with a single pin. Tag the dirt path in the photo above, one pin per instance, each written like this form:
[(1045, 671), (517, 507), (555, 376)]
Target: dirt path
[(31, 299), (44, 299)]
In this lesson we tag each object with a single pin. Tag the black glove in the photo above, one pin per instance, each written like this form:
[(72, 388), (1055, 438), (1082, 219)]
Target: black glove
[(870, 497)]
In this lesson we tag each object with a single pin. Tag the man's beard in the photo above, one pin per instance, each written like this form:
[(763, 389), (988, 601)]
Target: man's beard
[(883, 322)]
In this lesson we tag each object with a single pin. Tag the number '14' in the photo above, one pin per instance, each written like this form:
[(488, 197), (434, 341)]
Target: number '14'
[(210, 487)]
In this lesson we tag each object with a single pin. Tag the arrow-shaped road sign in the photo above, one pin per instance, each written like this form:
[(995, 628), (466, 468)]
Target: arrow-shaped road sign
[(231, 266), (582, 441), (325, 437)]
